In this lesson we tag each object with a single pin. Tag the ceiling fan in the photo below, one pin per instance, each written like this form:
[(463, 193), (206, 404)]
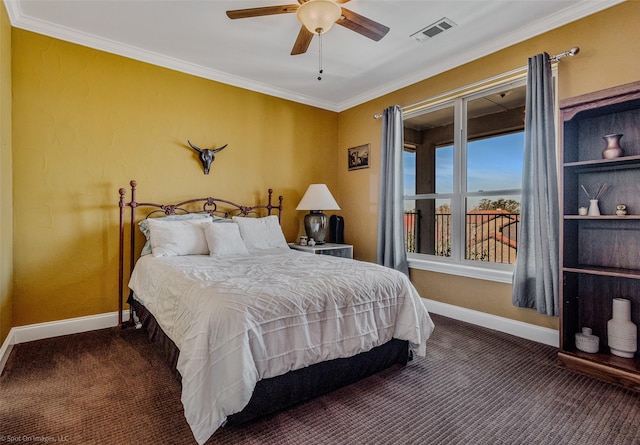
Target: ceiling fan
[(317, 17)]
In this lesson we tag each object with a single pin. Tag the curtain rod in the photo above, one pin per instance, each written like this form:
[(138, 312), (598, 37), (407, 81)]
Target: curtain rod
[(572, 52)]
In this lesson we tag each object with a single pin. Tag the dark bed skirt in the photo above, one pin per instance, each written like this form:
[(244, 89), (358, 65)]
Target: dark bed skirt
[(276, 393)]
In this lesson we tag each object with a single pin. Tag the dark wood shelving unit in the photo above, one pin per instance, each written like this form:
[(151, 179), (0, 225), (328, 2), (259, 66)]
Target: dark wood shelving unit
[(600, 255)]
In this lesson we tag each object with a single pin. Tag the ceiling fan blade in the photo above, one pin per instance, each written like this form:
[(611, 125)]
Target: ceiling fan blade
[(362, 25), (302, 42), (337, 1), (258, 12)]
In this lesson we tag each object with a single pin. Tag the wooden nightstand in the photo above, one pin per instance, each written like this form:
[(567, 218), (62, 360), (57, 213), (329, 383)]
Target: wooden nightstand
[(339, 250)]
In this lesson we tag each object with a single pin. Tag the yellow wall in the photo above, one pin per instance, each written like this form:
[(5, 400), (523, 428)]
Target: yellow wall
[(609, 56), (86, 122), (6, 206)]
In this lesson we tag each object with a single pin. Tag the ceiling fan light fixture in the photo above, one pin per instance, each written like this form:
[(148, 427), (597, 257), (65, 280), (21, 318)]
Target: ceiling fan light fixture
[(318, 16)]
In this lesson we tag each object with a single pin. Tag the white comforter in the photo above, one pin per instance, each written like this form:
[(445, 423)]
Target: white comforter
[(239, 319)]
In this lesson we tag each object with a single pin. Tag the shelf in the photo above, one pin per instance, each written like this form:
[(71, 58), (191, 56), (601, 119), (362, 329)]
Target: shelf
[(605, 164), (625, 372), (605, 271), (627, 364), (603, 217)]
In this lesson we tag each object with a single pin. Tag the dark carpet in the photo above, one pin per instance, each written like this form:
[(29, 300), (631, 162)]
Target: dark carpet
[(476, 386)]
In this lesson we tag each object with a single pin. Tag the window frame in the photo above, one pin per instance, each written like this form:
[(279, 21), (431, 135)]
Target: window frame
[(456, 264)]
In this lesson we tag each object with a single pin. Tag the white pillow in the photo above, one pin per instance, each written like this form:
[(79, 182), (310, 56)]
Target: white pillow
[(224, 239), (144, 226), (174, 238), (261, 233)]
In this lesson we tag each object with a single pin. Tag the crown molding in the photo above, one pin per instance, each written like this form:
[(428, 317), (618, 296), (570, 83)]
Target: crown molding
[(570, 14), (564, 17), (19, 20)]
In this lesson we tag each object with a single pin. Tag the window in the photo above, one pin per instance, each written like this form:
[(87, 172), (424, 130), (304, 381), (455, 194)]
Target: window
[(463, 177)]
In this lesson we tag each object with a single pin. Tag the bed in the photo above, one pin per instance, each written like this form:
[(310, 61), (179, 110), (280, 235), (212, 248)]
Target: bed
[(250, 326)]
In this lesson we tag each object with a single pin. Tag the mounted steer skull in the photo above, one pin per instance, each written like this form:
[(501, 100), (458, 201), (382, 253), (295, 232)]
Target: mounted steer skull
[(207, 156)]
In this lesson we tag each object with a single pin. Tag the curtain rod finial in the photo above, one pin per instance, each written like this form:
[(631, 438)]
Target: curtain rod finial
[(572, 52)]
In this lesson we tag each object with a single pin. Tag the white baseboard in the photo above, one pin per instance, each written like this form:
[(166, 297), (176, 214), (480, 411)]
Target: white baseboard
[(5, 350), (23, 334), (520, 329), (39, 331)]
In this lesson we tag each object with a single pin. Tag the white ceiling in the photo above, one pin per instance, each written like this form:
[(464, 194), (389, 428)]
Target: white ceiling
[(196, 37)]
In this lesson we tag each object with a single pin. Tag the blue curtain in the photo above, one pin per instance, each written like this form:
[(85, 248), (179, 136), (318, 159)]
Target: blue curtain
[(391, 250), (535, 279)]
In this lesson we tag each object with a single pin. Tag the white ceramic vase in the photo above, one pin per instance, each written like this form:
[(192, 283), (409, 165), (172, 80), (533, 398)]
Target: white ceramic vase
[(587, 342), (594, 210), (622, 332)]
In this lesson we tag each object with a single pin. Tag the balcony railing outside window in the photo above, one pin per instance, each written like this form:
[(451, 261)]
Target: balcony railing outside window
[(411, 230), (491, 235)]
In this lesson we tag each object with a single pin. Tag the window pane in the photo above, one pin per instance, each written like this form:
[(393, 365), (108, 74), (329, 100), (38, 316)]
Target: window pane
[(409, 161), (444, 169), (495, 140), (491, 229), (495, 163), (427, 225), (428, 156)]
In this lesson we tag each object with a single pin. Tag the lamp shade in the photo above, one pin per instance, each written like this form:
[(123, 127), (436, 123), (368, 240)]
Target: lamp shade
[(318, 197), (318, 16)]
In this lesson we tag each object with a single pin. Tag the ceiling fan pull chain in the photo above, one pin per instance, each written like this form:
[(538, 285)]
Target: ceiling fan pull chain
[(320, 56)]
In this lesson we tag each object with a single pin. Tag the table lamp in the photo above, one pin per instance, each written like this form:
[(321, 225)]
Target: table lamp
[(316, 199)]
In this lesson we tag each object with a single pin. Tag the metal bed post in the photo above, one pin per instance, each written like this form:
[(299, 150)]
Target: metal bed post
[(121, 204)]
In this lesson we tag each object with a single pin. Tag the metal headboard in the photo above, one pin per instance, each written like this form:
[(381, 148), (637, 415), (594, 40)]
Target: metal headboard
[(212, 206)]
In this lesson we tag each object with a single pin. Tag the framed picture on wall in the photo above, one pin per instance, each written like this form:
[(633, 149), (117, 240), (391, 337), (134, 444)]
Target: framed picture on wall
[(358, 157)]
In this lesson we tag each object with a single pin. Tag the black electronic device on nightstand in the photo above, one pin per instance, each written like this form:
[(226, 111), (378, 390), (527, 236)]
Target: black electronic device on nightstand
[(336, 229)]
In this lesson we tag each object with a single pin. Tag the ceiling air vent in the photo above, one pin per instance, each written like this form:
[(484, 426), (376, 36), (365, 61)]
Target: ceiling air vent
[(433, 30)]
